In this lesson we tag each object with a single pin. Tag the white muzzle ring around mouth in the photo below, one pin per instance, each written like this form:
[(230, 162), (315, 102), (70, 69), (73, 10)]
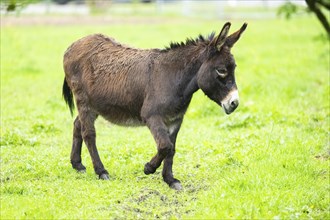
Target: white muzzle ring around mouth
[(230, 102)]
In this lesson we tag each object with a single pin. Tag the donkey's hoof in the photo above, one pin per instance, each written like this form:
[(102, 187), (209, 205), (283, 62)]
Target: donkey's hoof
[(176, 185), (104, 176), (79, 167), (81, 171), (148, 169)]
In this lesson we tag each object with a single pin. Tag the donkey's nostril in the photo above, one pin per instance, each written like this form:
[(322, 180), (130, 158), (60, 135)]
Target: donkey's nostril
[(234, 103)]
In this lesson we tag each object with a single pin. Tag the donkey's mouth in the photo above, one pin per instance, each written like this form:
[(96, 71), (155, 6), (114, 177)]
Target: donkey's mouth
[(228, 111)]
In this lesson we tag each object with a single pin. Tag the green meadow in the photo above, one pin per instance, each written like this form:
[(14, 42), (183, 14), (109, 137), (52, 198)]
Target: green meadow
[(267, 160)]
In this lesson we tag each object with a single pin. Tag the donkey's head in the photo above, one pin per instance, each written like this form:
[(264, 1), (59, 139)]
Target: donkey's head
[(216, 75)]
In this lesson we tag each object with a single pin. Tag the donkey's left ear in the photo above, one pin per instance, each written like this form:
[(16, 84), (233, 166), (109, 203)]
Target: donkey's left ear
[(221, 38), (233, 38)]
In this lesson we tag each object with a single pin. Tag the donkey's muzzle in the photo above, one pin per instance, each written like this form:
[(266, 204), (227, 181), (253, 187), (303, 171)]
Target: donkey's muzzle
[(230, 102)]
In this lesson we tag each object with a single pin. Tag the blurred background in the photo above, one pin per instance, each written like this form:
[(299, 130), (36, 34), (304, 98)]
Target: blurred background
[(209, 9), (191, 8), (195, 8)]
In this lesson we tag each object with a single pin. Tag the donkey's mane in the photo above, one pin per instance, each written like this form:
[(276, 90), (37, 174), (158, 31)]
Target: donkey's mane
[(190, 42)]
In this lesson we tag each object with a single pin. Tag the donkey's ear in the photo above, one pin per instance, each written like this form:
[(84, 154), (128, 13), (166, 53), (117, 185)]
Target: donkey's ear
[(221, 38), (233, 38)]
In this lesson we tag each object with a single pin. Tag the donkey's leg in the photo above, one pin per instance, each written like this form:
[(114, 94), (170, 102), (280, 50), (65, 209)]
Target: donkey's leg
[(168, 161), (164, 144), (87, 119), (76, 147)]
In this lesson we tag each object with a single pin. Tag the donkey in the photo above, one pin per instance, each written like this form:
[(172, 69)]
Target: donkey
[(135, 87)]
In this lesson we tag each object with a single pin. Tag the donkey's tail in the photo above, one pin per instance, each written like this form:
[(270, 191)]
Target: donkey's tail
[(68, 96)]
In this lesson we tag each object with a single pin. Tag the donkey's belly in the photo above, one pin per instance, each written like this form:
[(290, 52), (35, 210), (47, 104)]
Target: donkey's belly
[(121, 116)]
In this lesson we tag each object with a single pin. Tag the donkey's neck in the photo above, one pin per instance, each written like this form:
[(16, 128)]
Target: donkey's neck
[(184, 57), (186, 62)]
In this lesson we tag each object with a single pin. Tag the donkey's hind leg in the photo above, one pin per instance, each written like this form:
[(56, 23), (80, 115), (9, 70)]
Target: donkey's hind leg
[(76, 147), (87, 119)]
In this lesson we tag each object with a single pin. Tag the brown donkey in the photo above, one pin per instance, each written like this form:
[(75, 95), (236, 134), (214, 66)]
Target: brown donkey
[(133, 87)]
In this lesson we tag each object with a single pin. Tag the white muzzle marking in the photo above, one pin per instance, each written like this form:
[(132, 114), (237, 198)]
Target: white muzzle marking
[(230, 102)]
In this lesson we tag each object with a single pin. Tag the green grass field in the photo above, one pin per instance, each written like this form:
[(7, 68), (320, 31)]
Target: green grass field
[(269, 159)]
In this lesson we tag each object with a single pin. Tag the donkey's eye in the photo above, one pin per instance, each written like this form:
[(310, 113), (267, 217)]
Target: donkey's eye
[(222, 72)]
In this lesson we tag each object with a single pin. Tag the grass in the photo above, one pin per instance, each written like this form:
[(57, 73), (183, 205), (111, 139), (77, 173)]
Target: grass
[(269, 159)]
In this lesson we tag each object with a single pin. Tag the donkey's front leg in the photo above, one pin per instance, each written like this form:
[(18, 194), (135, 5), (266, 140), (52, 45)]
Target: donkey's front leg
[(164, 145), (168, 161)]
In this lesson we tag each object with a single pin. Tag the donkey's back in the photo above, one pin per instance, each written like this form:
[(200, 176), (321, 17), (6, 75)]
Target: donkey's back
[(111, 77)]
